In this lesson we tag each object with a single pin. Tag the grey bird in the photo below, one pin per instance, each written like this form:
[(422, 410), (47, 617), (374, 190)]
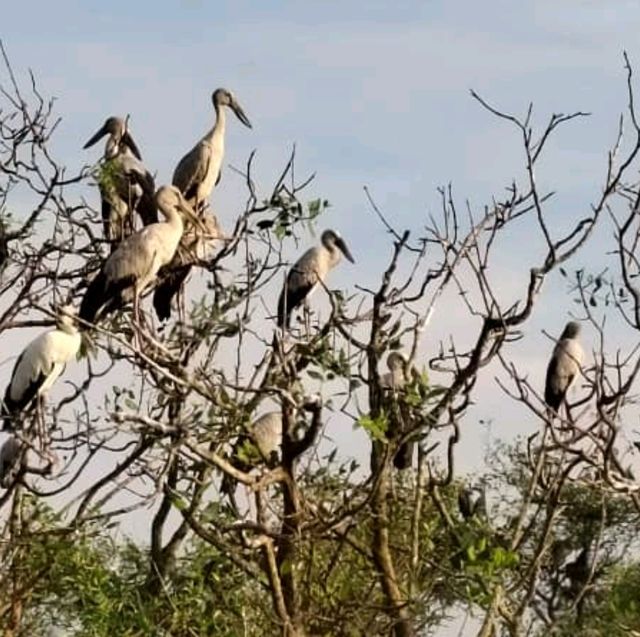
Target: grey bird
[(564, 366), (394, 381), (11, 455), (134, 265), (126, 186), (306, 274), (196, 175)]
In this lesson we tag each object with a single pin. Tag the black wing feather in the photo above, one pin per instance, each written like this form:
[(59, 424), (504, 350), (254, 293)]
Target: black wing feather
[(289, 300), (170, 284)]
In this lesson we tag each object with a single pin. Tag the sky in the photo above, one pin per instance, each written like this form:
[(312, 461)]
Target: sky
[(373, 94)]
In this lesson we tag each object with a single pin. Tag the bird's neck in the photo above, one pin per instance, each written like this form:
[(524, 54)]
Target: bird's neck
[(217, 132), (174, 219)]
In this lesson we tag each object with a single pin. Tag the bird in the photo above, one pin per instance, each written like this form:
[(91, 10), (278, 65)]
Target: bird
[(196, 175), (393, 381), (125, 184), (133, 266), (39, 366), (311, 268), (199, 170), (472, 502), (563, 367), (10, 461)]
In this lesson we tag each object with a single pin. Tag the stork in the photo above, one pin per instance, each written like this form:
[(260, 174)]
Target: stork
[(10, 461), (393, 382), (125, 184), (564, 366), (133, 266), (266, 433), (38, 367), (196, 175), (308, 271)]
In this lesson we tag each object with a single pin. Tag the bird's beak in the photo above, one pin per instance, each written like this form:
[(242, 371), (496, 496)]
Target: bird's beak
[(343, 248), (237, 109), (190, 214), (99, 135), (127, 140)]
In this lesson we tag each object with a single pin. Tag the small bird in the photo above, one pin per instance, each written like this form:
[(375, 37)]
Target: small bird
[(10, 461), (125, 184), (472, 502), (394, 381), (564, 366), (196, 175), (39, 366), (133, 266), (311, 268)]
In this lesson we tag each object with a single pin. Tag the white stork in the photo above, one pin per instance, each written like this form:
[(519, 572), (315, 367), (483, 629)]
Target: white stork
[(195, 175), (38, 367), (125, 184), (311, 268), (133, 266), (564, 366)]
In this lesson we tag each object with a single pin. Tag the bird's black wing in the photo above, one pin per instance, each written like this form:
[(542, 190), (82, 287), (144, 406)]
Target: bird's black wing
[(554, 388), (170, 284), (290, 298), (11, 406), (146, 207)]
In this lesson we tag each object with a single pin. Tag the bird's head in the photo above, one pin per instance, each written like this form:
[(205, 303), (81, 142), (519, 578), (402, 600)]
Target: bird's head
[(224, 97), (169, 199), (331, 239), (571, 330), (117, 129), (396, 361)]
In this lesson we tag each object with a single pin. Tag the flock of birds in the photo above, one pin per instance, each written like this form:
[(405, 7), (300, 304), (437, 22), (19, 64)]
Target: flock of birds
[(160, 255)]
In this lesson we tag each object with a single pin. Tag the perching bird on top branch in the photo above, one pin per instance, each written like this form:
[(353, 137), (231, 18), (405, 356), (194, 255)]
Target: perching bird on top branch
[(38, 367), (305, 275), (196, 175), (133, 266), (126, 186), (564, 366)]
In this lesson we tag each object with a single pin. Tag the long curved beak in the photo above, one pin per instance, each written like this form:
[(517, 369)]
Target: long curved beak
[(190, 214), (127, 140), (98, 136), (240, 114), (343, 248)]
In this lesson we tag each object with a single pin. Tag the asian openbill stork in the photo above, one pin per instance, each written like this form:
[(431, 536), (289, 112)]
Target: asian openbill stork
[(125, 184), (305, 275), (133, 266), (564, 366), (11, 456), (196, 175), (38, 367)]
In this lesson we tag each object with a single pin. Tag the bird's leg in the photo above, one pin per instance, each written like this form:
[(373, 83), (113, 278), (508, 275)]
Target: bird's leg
[(137, 339), (41, 431), (306, 312)]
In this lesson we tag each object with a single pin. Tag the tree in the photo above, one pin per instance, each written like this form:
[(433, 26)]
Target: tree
[(315, 542)]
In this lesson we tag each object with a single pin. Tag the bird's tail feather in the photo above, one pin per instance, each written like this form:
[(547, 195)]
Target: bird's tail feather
[(93, 299)]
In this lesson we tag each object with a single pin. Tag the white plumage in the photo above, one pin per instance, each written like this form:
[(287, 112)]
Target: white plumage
[(40, 365), (564, 366), (311, 268)]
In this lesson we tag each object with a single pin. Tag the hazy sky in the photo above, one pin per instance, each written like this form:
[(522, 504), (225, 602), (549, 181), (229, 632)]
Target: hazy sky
[(373, 93)]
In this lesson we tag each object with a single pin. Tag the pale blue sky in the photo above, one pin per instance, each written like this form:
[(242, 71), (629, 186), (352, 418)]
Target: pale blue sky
[(372, 93)]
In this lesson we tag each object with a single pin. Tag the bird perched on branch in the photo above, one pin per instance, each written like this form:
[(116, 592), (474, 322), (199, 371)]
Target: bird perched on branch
[(393, 382), (564, 366), (38, 367), (126, 186), (308, 271), (133, 266), (196, 175)]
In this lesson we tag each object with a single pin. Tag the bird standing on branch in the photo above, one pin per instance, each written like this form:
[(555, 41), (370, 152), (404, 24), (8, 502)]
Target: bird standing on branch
[(133, 266), (195, 176), (125, 184), (308, 271), (564, 366), (37, 369)]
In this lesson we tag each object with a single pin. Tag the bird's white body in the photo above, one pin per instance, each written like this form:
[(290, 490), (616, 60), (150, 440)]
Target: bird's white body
[(395, 378), (564, 366), (44, 358)]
